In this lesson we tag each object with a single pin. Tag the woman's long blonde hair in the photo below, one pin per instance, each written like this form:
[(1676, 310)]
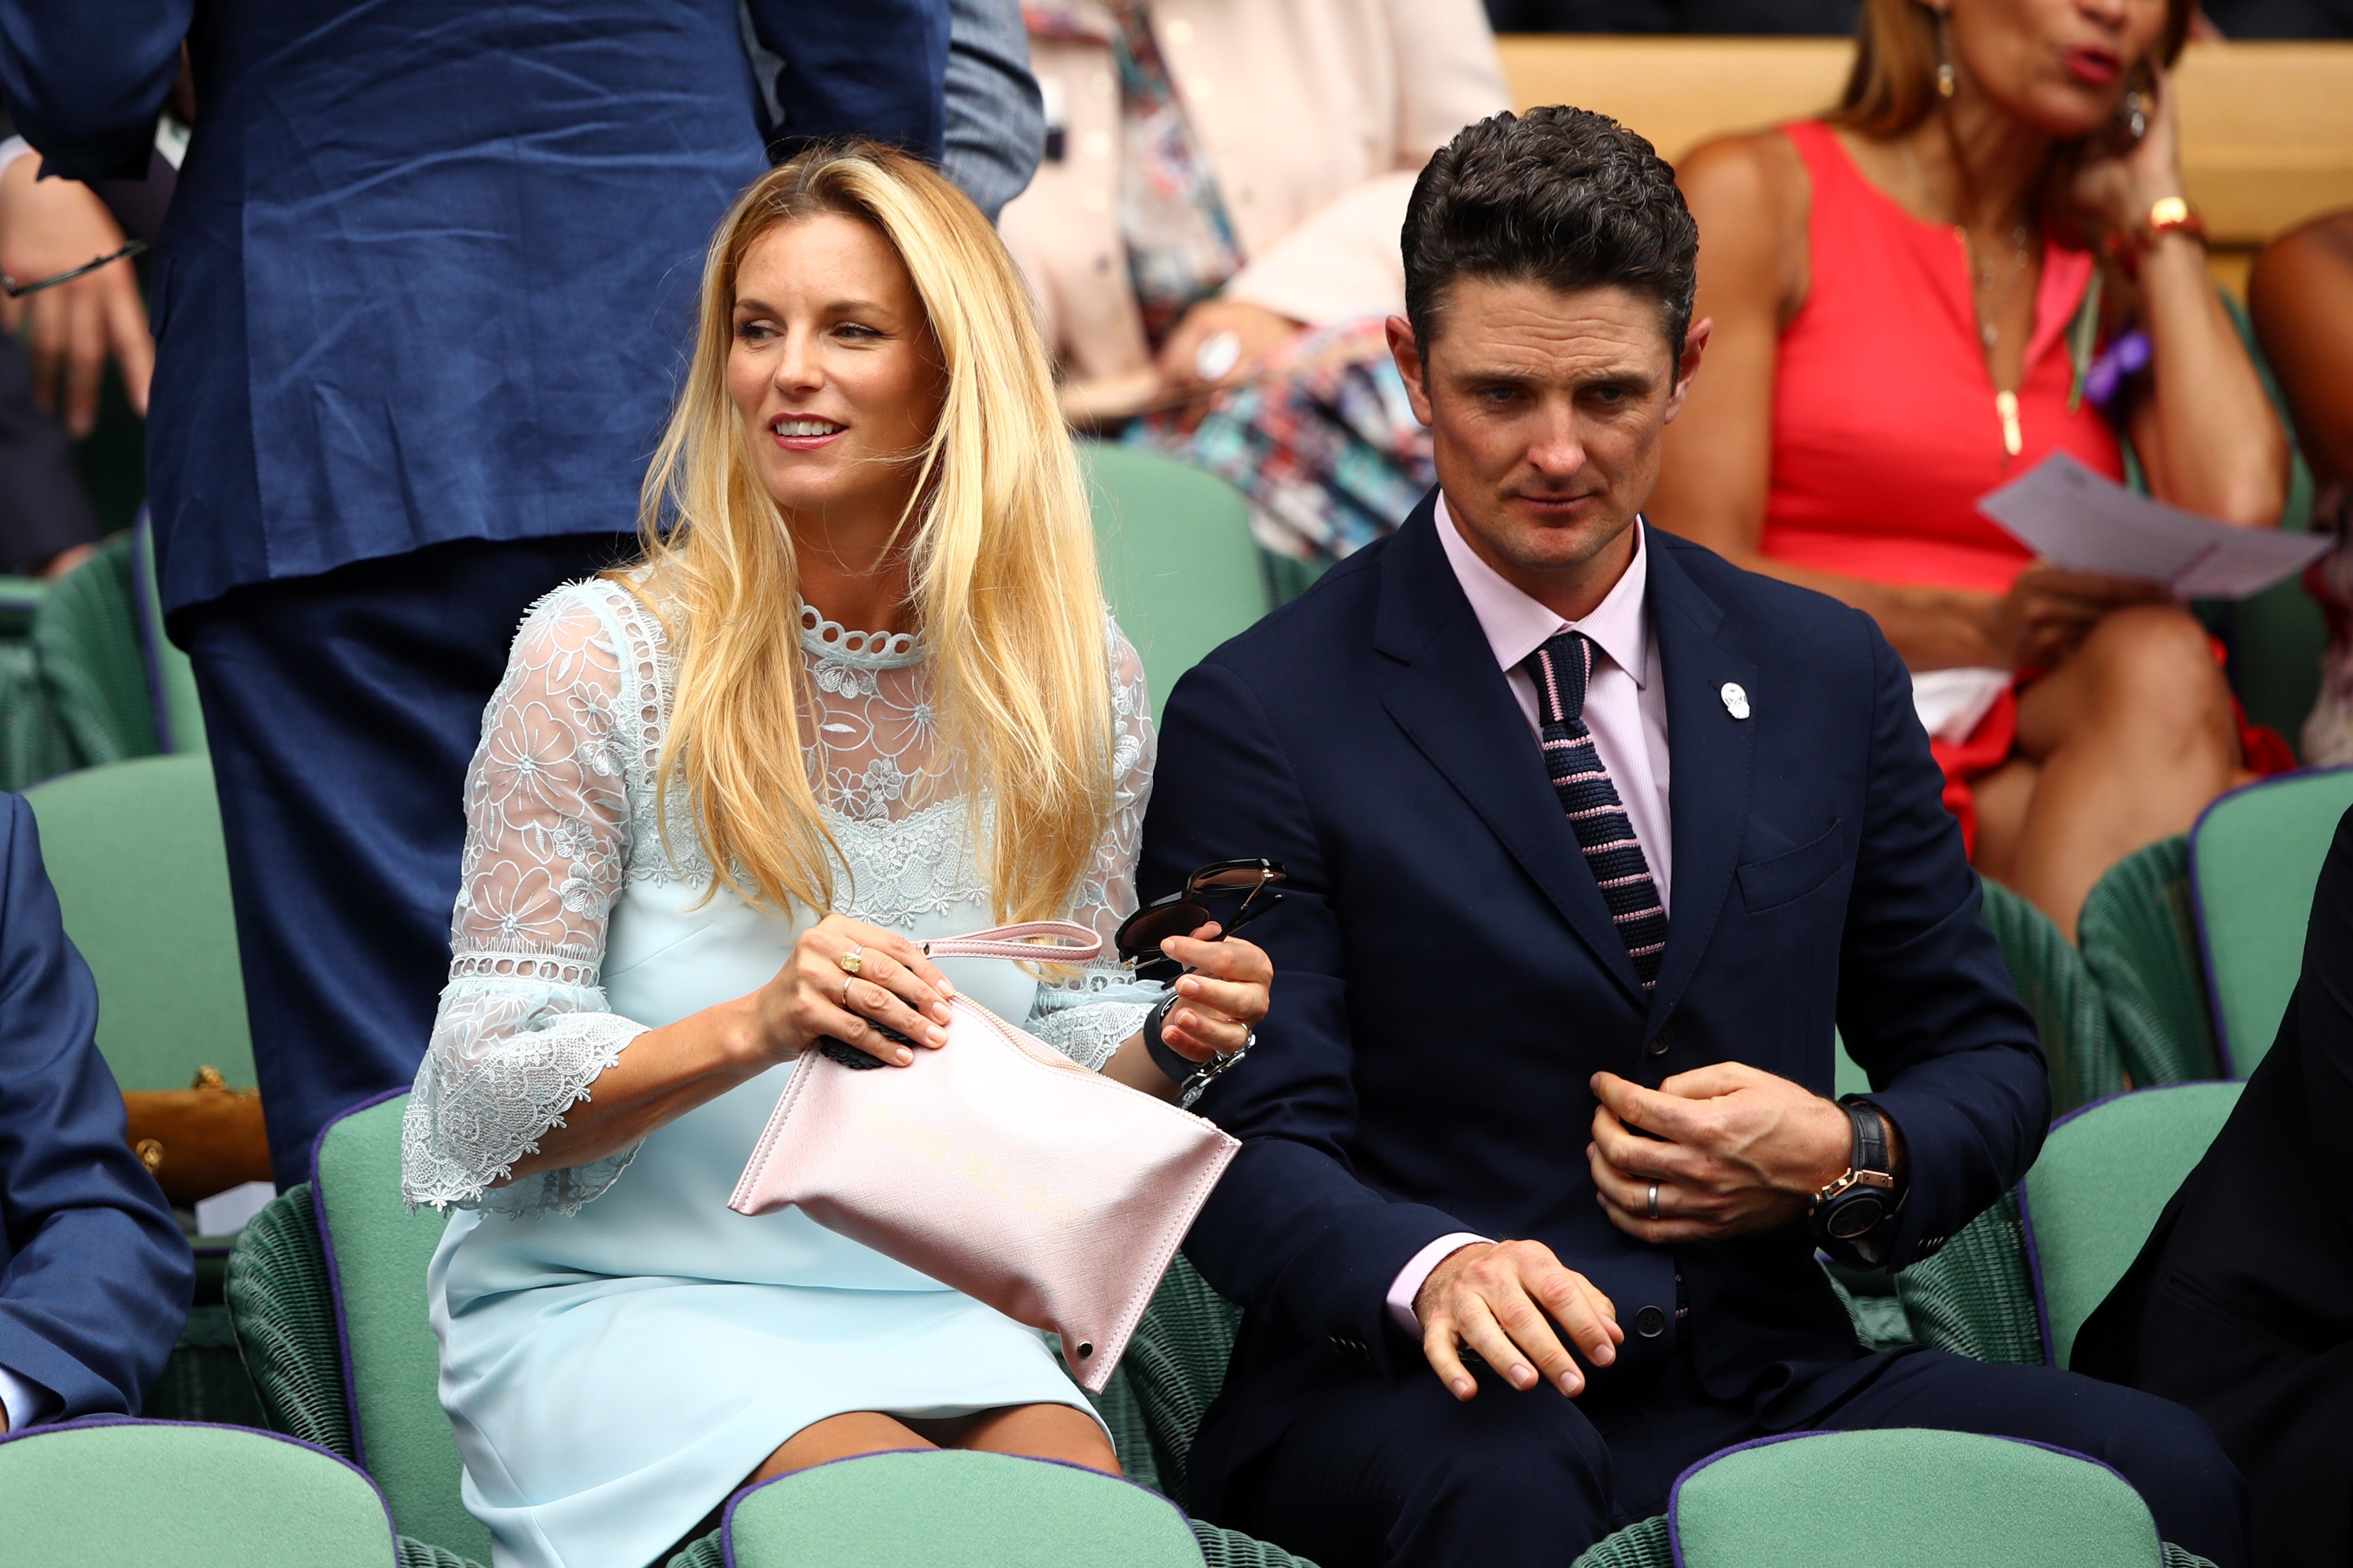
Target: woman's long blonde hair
[(1893, 85), (1001, 553)]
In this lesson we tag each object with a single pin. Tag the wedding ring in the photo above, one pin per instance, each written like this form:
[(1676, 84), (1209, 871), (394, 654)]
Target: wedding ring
[(845, 995), (1654, 1192), (850, 961), (1218, 355)]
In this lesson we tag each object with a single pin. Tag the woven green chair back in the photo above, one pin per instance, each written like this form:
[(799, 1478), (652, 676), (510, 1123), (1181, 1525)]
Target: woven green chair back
[(135, 852), (949, 1508), (193, 1497), (377, 1255), (87, 639), (2139, 939), (1975, 1297), (2059, 991), (1954, 1499), (179, 713), (1174, 548), (2254, 859), (2095, 1191)]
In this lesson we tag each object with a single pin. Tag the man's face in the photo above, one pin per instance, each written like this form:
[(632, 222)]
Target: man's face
[(1548, 412)]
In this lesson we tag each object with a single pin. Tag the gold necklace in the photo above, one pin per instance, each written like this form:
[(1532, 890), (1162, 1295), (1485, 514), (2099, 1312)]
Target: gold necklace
[(1988, 292)]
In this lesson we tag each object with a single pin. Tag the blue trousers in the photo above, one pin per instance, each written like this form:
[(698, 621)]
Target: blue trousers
[(1395, 1472), (342, 710)]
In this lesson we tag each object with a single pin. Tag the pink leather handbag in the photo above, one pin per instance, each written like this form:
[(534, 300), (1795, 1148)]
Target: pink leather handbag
[(998, 1166)]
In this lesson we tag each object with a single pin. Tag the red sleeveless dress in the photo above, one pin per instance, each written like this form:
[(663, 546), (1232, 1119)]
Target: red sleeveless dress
[(1885, 431)]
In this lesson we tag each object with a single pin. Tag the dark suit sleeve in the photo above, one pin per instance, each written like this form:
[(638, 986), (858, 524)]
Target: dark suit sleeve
[(1290, 1230), (877, 68), (1926, 1005), (94, 1276), (85, 82)]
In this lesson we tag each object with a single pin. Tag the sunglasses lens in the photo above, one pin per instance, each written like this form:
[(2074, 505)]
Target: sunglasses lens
[(1147, 929), (1231, 879)]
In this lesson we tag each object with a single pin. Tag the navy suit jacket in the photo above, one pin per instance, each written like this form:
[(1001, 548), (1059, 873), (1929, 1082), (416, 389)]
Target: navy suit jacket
[(430, 268), (94, 1274), (1447, 979)]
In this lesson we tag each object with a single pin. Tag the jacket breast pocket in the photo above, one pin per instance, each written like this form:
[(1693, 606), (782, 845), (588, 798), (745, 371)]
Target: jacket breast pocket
[(1766, 884)]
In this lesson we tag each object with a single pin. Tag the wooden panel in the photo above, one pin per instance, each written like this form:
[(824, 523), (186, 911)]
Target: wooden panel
[(2267, 128)]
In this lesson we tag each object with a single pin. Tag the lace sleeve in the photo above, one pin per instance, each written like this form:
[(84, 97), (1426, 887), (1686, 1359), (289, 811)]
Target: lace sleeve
[(523, 1028), (1086, 1016)]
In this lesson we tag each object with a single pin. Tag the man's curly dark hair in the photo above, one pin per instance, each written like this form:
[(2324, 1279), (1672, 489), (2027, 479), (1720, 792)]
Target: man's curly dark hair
[(1561, 196)]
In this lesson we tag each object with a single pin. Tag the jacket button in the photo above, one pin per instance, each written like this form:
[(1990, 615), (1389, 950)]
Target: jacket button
[(1663, 1042), (1650, 1322)]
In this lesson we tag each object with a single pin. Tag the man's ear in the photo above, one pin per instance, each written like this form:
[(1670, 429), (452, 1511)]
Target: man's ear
[(1687, 363), (1407, 353)]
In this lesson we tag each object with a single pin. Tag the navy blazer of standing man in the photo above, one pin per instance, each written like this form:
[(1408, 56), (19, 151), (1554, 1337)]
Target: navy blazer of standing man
[(420, 302), (1556, 978)]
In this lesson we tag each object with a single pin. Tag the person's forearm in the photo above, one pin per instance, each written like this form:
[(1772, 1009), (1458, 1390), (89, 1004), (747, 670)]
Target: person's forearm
[(2219, 447), (661, 1075), (1132, 1065), (1930, 627)]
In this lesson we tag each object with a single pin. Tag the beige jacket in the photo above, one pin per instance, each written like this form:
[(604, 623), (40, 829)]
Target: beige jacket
[(1315, 115)]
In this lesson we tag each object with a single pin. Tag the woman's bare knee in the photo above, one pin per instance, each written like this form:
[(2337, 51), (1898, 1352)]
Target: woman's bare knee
[(2148, 669), (1058, 1432), (844, 1437)]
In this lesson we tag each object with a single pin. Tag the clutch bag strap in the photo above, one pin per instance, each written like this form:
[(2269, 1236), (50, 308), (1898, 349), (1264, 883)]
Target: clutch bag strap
[(1049, 942)]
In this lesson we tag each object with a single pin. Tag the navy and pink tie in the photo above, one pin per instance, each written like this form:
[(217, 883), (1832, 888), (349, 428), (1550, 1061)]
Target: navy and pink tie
[(1561, 669)]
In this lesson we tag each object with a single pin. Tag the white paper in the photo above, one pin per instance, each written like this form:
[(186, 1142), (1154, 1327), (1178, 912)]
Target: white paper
[(2072, 518), (226, 1214)]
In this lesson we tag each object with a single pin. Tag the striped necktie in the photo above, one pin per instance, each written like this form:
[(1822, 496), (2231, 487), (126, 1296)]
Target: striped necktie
[(1561, 670)]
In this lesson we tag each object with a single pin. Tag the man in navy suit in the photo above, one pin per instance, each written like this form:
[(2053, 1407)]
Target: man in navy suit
[(94, 1274), (1593, 838), (420, 301)]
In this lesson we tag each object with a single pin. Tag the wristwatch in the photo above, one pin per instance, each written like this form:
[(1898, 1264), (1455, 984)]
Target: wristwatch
[(1851, 1207)]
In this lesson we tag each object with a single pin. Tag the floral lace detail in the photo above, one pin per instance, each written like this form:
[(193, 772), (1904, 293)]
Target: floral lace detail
[(560, 819)]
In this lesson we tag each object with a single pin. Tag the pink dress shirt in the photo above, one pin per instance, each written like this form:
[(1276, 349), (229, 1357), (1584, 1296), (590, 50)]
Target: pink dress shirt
[(1627, 712)]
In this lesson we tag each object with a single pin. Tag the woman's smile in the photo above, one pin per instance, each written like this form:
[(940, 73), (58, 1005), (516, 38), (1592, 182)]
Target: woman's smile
[(804, 432)]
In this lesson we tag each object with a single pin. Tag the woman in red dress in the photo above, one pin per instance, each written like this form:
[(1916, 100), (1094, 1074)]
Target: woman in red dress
[(1894, 290)]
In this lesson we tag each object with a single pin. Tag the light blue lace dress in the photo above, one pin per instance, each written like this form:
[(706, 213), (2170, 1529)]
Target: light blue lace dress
[(619, 1349)]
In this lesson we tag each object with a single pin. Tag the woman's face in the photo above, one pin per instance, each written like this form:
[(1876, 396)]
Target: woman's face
[(833, 368), (2063, 66)]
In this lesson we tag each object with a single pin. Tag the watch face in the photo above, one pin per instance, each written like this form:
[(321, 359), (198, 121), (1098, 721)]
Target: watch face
[(1855, 1217)]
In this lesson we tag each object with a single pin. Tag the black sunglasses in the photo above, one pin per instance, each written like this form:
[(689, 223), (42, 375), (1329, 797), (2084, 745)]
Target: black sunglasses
[(1183, 912)]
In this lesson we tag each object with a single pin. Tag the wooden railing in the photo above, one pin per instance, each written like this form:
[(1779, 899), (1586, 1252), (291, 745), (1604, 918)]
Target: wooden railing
[(2267, 128)]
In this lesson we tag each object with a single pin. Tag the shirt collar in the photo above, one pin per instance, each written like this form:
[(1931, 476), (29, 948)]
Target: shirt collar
[(1517, 626)]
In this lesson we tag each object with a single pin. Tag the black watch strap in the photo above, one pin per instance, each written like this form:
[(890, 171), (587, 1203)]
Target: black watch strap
[(1870, 1152), (1163, 1055)]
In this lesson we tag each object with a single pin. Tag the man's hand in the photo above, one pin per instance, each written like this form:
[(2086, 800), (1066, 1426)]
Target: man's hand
[(48, 226), (1733, 1149), (1495, 1297)]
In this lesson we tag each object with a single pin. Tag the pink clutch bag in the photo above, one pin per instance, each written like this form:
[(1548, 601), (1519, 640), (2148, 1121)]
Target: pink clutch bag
[(998, 1166)]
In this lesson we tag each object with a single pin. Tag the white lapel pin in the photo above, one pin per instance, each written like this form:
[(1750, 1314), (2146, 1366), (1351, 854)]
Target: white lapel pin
[(1735, 700)]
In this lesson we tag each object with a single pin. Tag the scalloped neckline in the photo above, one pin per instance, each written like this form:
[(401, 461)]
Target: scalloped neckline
[(825, 639)]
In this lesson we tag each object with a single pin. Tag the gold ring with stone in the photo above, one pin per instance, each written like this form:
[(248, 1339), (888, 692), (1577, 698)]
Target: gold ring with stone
[(850, 961)]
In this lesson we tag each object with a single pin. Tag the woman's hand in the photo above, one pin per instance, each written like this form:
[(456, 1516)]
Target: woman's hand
[(1223, 999), (2050, 610), (1257, 332), (812, 995), (2115, 190), (47, 226)]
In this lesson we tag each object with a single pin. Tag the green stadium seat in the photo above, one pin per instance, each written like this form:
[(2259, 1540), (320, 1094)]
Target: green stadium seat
[(190, 1496), (973, 1510), (2254, 859), (87, 640), (327, 1295), (1954, 1499), (2139, 939), (1176, 558), (2059, 991), (134, 850), (2104, 1176)]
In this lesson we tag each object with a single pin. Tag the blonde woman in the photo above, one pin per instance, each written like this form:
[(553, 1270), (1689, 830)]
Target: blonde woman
[(696, 791)]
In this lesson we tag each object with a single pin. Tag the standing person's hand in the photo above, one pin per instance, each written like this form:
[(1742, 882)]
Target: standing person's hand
[(1501, 1300), (813, 995), (1254, 331), (2049, 610), (48, 226), (1731, 1149)]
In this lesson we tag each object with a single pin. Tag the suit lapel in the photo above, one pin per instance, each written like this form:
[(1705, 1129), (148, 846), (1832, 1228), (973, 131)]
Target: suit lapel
[(1709, 752), (1455, 706)]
